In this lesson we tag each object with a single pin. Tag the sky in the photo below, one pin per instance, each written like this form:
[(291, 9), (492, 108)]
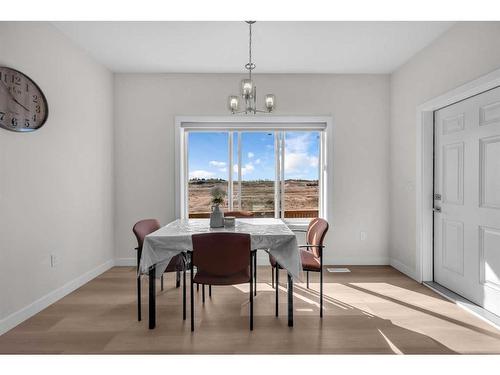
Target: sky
[(208, 155)]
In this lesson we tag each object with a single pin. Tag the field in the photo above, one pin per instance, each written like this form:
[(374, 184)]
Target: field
[(301, 197)]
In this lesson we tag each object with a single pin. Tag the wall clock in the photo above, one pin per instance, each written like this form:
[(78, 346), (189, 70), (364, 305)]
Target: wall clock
[(23, 107)]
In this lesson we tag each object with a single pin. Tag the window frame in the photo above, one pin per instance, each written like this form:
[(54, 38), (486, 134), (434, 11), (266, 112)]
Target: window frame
[(230, 124)]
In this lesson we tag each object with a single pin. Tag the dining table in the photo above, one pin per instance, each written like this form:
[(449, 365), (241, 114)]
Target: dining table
[(267, 234)]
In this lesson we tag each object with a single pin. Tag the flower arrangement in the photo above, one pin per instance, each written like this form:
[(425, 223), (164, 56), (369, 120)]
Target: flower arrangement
[(218, 195)]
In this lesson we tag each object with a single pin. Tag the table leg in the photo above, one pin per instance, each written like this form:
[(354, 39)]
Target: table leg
[(152, 297), (184, 294), (290, 301)]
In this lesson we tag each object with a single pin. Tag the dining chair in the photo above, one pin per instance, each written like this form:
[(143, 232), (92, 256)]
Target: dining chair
[(177, 264), (222, 259), (239, 214), (242, 215), (311, 256)]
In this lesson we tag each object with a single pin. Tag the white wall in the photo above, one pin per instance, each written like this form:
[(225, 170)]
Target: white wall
[(465, 52), (145, 107), (56, 183)]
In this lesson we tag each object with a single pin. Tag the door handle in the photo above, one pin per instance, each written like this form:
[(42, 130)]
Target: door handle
[(436, 209)]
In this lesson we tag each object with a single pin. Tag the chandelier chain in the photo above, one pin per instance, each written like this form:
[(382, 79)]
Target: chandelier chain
[(250, 50)]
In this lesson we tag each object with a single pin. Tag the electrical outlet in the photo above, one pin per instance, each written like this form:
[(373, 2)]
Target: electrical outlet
[(53, 261), (362, 235)]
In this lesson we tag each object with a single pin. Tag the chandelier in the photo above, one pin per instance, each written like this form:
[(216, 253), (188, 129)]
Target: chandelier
[(248, 88)]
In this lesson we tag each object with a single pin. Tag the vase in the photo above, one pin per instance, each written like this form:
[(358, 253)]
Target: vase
[(216, 217)]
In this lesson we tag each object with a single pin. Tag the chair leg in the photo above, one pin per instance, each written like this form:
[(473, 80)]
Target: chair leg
[(192, 296), (272, 276), (251, 292), (321, 288), (255, 273), (184, 294), (178, 279), (307, 278), (277, 288), (138, 287), (162, 282), (210, 291), (203, 292)]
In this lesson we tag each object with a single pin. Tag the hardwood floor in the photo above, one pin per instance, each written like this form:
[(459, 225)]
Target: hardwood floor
[(373, 309)]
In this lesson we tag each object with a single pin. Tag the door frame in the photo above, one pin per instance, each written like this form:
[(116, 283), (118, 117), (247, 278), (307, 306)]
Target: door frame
[(425, 166)]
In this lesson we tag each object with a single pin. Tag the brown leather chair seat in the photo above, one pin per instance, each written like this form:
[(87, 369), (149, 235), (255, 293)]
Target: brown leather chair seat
[(273, 262), (240, 277), (309, 261), (177, 263)]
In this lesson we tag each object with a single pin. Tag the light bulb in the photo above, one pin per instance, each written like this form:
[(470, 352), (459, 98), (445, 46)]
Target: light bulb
[(270, 101), (247, 88), (233, 103)]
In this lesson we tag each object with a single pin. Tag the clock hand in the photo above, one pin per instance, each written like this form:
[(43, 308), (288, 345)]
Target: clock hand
[(12, 96), (6, 89), (20, 104)]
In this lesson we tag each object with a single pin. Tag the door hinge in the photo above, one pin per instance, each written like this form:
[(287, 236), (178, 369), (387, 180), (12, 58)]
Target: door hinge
[(437, 197)]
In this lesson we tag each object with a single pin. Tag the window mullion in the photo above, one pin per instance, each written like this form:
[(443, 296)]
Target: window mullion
[(276, 175), (282, 175), (230, 172), (239, 170)]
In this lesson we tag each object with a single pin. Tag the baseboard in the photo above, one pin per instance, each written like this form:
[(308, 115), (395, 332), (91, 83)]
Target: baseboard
[(403, 268), (263, 260), (125, 262), (20, 316), (358, 261)]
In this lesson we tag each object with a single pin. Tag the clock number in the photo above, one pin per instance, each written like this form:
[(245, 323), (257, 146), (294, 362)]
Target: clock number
[(14, 122), (2, 115), (35, 98), (26, 123), (34, 117), (16, 80), (38, 108)]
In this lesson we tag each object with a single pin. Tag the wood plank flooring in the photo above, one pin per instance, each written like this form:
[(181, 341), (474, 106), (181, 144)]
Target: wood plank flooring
[(372, 310)]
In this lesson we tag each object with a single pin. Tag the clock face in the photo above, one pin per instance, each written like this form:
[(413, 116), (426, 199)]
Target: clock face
[(23, 107)]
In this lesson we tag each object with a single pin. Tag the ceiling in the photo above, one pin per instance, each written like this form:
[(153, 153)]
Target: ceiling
[(278, 47)]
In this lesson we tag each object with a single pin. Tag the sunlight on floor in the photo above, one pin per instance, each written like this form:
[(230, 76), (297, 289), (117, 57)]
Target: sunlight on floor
[(393, 347)]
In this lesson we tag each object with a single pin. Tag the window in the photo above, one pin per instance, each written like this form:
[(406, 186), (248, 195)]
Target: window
[(301, 174), (272, 171), (208, 167)]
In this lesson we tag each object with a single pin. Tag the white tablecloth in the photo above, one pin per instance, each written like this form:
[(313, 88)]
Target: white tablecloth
[(267, 234)]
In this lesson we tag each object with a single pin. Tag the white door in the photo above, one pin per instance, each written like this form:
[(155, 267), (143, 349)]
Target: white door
[(467, 190)]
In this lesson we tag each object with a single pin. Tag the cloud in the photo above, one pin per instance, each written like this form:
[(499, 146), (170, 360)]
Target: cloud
[(248, 168), (257, 161), (250, 155), (201, 174), (298, 144), (300, 162), (217, 164)]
